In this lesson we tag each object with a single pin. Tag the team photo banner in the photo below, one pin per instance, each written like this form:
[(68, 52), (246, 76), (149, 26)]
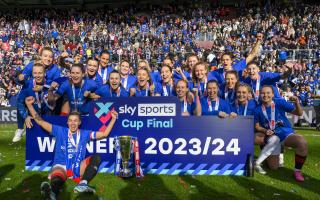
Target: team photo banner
[(169, 143)]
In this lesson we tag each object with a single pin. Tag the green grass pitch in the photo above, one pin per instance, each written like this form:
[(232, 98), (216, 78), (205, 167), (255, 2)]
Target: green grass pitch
[(16, 183)]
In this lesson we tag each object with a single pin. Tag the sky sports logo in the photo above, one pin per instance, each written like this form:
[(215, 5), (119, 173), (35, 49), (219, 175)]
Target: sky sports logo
[(157, 110), (150, 109)]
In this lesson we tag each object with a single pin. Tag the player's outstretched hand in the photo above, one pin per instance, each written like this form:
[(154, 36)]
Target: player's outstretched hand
[(114, 114)]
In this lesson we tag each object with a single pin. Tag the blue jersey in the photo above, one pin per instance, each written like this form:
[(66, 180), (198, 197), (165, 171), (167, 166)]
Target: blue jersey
[(201, 86), (164, 90), (104, 73), (53, 72), (283, 127), (211, 110), (128, 82), (155, 76), (266, 78), (61, 135), (97, 79), (187, 107), (75, 94), (106, 92), (40, 104), (41, 99), (244, 110), (177, 76), (141, 93), (21, 107), (219, 74), (227, 94)]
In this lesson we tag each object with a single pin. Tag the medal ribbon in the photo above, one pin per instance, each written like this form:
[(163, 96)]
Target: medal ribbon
[(257, 91), (272, 122), (216, 107), (118, 91), (245, 108), (75, 98), (37, 96), (73, 156), (103, 73)]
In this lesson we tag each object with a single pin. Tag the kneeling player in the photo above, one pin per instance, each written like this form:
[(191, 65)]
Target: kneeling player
[(70, 150), (271, 120)]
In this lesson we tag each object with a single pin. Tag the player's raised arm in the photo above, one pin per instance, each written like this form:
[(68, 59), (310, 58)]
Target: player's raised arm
[(45, 125), (256, 49), (105, 133)]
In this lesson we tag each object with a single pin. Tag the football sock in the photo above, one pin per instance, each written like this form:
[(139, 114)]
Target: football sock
[(271, 144), (92, 168)]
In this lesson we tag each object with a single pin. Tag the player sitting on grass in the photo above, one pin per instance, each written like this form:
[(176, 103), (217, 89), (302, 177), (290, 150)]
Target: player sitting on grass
[(70, 151)]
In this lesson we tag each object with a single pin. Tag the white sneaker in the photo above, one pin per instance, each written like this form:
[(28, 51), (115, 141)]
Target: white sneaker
[(18, 135), (281, 160), (259, 169)]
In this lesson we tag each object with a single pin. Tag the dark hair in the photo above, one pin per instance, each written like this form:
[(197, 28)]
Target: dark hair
[(75, 113), (234, 72), (268, 86), (79, 66), (114, 72), (193, 55), (167, 67), (254, 63), (92, 58), (167, 58), (124, 60), (105, 52), (213, 81), (228, 54)]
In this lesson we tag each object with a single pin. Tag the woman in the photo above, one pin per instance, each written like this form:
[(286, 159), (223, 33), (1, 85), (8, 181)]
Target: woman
[(52, 70), (70, 159), (38, 90), (270, 119), (199, 78), (242, 106), (211, 104), (77, 90), (112, 89), (92, 71), (187, 108), (52, 73), (166, 86), (227, 62), (228, 89), (258, 79), (155, 75), (127, 79), (143, 86)]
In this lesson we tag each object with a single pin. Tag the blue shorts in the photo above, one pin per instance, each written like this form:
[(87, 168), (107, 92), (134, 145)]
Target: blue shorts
[(283, 132)]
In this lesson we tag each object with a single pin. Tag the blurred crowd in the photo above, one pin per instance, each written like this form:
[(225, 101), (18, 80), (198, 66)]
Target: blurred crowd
[(155, 32)]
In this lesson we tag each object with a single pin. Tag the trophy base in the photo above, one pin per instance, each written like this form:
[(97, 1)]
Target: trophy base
[(125, 174)]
